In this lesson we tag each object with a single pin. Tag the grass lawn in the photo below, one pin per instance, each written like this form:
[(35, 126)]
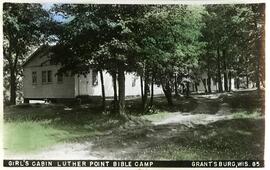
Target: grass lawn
[(31, 136), (30, 128)]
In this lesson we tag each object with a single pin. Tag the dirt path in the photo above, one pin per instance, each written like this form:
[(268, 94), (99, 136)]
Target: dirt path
[(132, 141), (210, 123), (145, 141), (190, 120)]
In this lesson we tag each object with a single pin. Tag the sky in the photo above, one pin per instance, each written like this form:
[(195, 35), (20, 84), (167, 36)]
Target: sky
[(56, 17), (47, 6)]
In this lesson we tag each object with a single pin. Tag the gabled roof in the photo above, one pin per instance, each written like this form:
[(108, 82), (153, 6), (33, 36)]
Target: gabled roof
[(41, 49)]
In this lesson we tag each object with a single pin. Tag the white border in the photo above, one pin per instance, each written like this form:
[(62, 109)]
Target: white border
[(190, 2), (140, 1)]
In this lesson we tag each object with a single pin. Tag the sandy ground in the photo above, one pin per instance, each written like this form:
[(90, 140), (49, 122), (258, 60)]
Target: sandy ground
[(191, 120)]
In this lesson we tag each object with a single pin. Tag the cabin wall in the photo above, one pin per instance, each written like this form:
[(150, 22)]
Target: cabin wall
[(84, 85), (41, 90), (214, 85)]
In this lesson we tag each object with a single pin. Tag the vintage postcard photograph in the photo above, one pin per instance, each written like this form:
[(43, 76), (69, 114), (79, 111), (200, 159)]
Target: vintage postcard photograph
[(133, 85)]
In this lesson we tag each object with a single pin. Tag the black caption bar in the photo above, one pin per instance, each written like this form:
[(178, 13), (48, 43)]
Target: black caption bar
[(135, 163)]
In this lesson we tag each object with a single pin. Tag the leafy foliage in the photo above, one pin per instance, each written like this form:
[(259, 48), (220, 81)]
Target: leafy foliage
[(24, 26)]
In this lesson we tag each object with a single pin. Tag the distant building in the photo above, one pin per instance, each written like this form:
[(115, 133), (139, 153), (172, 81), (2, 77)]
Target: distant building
[(213, 84)]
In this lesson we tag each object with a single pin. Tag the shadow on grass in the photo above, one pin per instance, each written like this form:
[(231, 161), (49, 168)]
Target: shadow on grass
[(223, 140)]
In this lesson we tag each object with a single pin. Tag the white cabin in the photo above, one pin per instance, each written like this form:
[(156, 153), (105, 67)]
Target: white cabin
[(41, 82)]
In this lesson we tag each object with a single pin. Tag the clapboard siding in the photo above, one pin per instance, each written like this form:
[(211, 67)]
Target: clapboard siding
[(54, 89)]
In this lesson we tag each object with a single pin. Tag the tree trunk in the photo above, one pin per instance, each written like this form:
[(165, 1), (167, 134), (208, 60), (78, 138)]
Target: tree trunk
[(209, 84), (121, 84), (187, 90), (247, 81), (196, 87), (142, 94), (225, 81), (225, 71), (114, 77), (247, 78), (176, 86), (204, 85), (13, 87), (237, 82), (230, 80), (168, 93), (208, 76), (152, 91), (258, 72), (220, 89), (146, 90), (102, 90)]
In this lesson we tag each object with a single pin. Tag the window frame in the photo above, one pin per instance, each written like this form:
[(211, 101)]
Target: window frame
[(49, 76), (44, 77), (34, 83)]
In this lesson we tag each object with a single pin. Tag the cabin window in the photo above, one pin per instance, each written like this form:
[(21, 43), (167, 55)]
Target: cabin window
[(94, 78), (60, 78), (44, 75), (34, 77), (49, 74)]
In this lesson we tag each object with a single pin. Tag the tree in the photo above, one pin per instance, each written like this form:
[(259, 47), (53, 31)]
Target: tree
[(24, 26), (100, 37), (231, 33), (169, 44), (165, 45)]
